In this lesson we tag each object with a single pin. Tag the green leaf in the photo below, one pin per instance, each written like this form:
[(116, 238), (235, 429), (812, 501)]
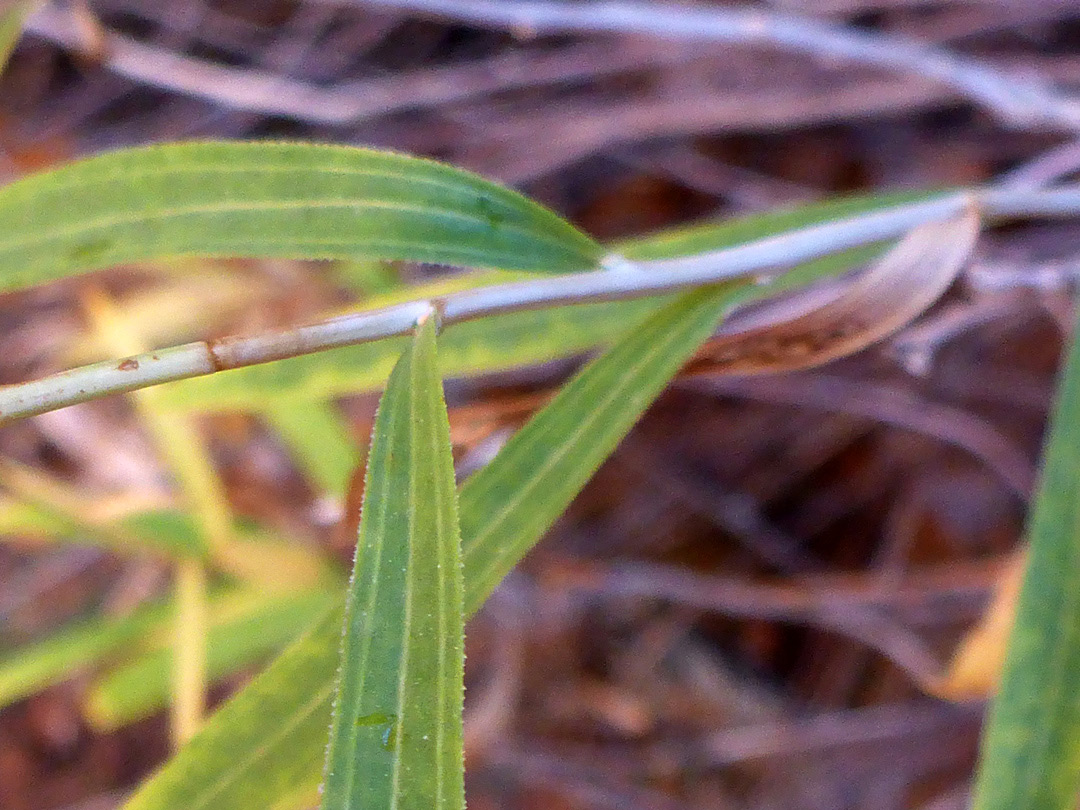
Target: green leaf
[(280, 719), (56, 658), (171, 530), (289, 200), (700, 238), (509, 504), (268, 742), (396, 735), (165, 532), (519, 339), (318, 440), (46, 507), (279, 714), (367, 276), (11, 25), (242, 633), (1031, 746), (20, 518)]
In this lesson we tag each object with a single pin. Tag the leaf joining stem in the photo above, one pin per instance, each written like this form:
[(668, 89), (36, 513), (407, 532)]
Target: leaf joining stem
[(621, 279)]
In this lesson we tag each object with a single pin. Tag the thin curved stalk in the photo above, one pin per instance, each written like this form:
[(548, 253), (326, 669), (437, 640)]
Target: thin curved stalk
[(622, 279)]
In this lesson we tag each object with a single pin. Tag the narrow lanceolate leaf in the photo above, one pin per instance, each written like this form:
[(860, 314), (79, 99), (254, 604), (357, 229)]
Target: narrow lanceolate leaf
[(396, 735), (509, 341), (509, 504), (266, 743), (281, 718), (272, 199), (1031, 746)]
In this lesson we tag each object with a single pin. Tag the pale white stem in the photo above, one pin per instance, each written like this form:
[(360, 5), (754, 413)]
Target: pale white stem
[(622, 279)]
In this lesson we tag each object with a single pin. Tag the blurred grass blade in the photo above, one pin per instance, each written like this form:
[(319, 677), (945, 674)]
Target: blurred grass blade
[(23, 520), (12, 19), (179, 444), (238, 637), (267, 742), (396, 735), (1031, 745), (191, 299), (60, 656), (289, 200), (976, 663), (525, 338), (318, 439), (366, 277), (46, 507), (245, 629), (171, 529), (277, 564)]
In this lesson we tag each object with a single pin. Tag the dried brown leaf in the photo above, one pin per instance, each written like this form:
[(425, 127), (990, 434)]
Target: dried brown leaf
[(812, 329)]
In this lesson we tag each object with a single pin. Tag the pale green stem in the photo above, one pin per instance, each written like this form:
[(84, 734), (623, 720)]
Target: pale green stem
[(622, 279)]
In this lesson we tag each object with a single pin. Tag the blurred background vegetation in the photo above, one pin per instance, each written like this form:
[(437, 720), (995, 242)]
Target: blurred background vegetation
[(746, 606)]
